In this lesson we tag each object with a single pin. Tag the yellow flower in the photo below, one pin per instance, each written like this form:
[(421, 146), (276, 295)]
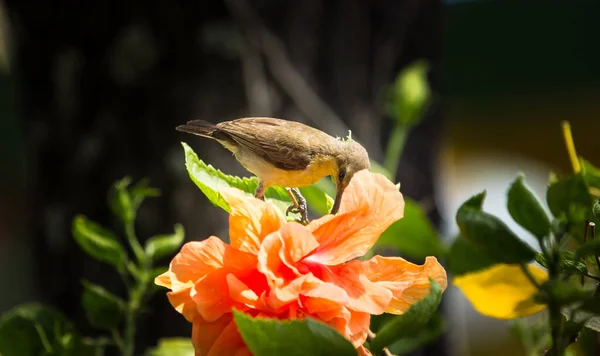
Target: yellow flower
[(502, 291)]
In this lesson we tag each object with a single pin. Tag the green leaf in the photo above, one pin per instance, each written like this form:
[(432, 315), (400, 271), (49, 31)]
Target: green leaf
[(210, 180), (98, 242), (596, 209), (526, 210), (33, 329), (568, 264), (490, 235), (267, 337), (411, 322), (160, 246), (124, 200), (176, 346), (464, 257), (570, 197), (141, 191), (591, 174), (103, 309), (413, 235), (591, 248), (119, 200), (316, 199), (432, 331)]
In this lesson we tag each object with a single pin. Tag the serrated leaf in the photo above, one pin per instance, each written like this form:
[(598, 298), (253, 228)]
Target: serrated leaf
[(98, 242), (568, 263), (210, 180), (526, 210), (431, 332), (175, 346), (464, 257), (413, 235), (490, 235), (411, 322), (160, 246), (267, 337), (103, 309), (33, 329)]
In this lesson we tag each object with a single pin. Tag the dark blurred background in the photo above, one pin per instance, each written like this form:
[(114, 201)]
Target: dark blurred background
[(91, 92)]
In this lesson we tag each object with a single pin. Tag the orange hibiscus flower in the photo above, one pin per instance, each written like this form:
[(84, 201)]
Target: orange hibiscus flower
[(279, 269)]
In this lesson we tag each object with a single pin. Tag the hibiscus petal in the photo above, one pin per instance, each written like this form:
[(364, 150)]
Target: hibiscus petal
[(250, 220), (211, 295), (183, 303), (217, 338), (353, 325), (363, 295), (297, 242), (408, 282), (241, 293), (370, 204)]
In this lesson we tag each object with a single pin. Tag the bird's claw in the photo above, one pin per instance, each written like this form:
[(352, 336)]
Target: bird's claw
[(298, 210)]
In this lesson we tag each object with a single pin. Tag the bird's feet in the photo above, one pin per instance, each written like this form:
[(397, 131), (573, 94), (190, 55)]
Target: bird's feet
[(299, 207)]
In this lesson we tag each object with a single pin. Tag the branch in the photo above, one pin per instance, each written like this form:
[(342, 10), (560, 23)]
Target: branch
[(284, 72)]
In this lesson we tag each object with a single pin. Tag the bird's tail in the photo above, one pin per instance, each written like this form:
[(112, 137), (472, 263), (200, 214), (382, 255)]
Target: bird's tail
[(200, 128)]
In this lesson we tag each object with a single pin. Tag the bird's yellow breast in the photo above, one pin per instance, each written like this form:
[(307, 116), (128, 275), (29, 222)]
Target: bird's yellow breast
[(319, 168)]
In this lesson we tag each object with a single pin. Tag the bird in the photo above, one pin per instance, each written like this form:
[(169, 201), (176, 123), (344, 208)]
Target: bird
[(287, 154)]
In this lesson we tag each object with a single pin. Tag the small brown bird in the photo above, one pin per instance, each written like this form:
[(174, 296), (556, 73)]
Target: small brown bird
[(286, 153)]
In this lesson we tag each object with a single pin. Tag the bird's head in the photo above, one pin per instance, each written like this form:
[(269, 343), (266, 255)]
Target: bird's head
[(352, 157)]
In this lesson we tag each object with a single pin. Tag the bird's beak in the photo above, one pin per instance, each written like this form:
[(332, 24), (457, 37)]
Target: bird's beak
[(338, 198)]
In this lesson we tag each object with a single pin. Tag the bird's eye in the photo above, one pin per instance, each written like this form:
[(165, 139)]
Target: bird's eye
[(341, 175)]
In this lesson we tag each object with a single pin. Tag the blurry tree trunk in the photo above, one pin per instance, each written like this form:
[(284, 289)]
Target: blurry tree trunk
[(103, 84)]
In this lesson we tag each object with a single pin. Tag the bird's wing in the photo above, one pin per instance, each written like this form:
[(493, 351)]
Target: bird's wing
[(285, 144)]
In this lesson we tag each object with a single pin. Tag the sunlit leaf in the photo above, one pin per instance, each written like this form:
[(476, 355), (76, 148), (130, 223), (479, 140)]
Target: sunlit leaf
[(163, 245), (172, 347), (98, 242), (210, 180)]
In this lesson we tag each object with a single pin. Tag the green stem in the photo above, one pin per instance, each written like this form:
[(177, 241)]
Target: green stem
[(554, 314), (395, 147), (556, 329), (137, 248), (529, 276), (129, 339)]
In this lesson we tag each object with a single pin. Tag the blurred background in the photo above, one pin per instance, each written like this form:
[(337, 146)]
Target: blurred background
[(91, 92)]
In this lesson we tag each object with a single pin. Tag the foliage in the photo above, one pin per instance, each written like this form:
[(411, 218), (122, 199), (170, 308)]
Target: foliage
[(567, 288), (33, 329)]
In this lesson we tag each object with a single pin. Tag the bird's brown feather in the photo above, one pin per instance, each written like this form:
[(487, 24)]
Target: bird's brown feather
[(287, 145)]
